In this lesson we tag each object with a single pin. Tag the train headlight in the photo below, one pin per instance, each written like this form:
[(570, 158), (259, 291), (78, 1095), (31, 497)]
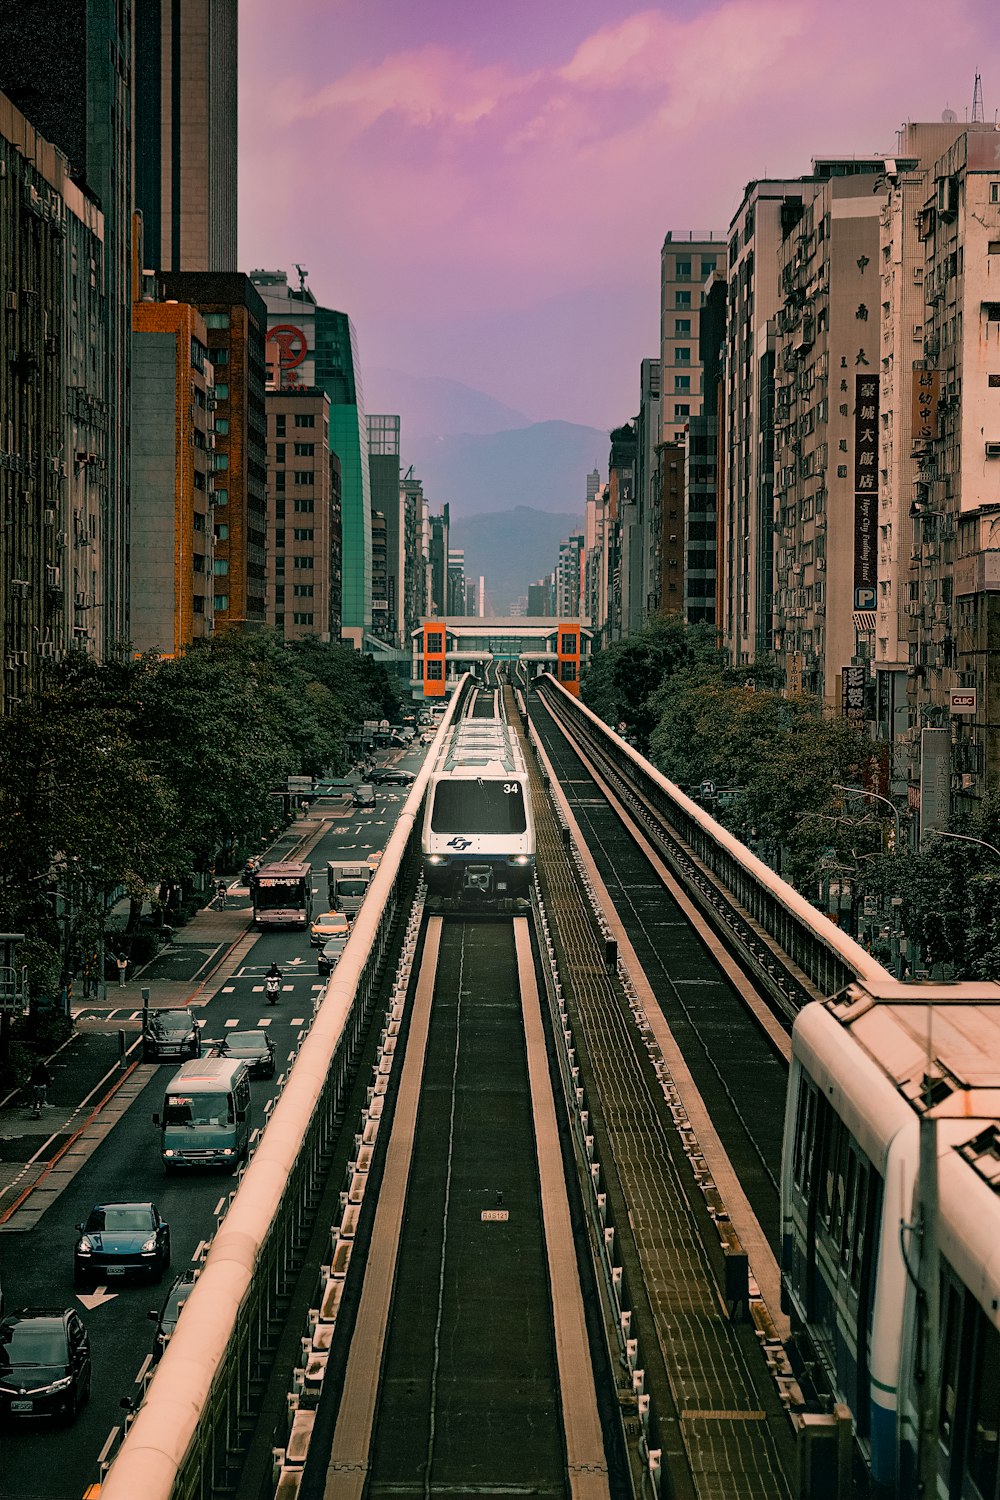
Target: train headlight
[(520, 859), (435, 859)]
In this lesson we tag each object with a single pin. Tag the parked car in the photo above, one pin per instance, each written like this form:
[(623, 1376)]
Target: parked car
[(327, 925), (364, 795), (166, 1317), (255, 1048), (119, 1239), (170, 1036), (326, 959), (45, 1367)]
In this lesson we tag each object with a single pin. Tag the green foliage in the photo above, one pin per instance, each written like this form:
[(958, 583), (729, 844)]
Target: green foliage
[(130, 774), (622, 679)]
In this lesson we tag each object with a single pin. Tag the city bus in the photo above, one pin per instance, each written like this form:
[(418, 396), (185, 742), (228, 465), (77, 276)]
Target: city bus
[(282, 895)]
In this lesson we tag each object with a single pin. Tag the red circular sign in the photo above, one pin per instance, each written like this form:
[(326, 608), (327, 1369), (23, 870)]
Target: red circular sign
[(291, 342)]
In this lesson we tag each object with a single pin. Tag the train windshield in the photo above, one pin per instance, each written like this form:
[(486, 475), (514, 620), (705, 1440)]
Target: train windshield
[(478, 807)]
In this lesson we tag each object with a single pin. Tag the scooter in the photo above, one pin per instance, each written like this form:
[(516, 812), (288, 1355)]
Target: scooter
[(271, 984)]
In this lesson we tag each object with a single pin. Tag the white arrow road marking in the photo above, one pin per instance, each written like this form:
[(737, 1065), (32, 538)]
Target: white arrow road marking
[(293, 961), (94, 1299), (202, 1022)]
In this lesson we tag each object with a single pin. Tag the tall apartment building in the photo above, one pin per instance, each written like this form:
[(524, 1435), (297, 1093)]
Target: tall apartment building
[(437, 561), (68, 71), (236, 327), (53, 435), (827, 374), (303, 521), (953, 593), (387, 500), (173, 540), (457, 600), (540, 601), (414, 594), (569, 576), (668, 581), (621, 503), (317, 346), (185, 132), (686, 262), (702, 463)]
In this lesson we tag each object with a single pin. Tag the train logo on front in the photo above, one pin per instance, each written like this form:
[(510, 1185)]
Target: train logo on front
[(459, 842)]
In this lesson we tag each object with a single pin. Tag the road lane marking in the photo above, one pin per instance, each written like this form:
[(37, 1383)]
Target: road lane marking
[(227, 989), (218, 1207), (140, 1377), (234, 1021), (264, 1021), (297, 1021)]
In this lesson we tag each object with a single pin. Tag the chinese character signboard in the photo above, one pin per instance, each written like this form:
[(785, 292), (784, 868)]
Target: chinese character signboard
[(865, 490), (793, 671), (926, 391), (853, 695)]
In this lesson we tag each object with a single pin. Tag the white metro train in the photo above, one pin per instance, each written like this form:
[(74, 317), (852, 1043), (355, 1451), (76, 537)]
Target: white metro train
[(478, 842), (862, 1065)]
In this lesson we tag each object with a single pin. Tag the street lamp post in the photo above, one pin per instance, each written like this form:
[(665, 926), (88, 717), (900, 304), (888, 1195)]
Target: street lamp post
[(939, 833), (860, 791)]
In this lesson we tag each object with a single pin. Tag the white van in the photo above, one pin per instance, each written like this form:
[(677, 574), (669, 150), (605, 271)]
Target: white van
[(206, 1115)]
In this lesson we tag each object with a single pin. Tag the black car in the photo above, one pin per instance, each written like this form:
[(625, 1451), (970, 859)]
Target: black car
[(45, 1368), (364, 795), (166, 1318), (255, 1048), (398, 775), (121, 1239), (170, 1036)]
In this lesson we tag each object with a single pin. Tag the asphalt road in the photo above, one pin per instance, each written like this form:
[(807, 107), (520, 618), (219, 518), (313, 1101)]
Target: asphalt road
[(41, 1461)]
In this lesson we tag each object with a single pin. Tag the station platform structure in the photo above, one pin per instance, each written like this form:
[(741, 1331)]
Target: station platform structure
[(446, 646)]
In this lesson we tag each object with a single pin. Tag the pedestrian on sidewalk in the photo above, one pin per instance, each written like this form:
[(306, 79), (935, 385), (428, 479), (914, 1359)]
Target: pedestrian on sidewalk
[(122, 970), (222, 891), (39, 1081)]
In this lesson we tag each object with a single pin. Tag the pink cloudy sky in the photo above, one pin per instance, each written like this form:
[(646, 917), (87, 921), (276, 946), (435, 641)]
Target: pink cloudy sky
[(485, 187)]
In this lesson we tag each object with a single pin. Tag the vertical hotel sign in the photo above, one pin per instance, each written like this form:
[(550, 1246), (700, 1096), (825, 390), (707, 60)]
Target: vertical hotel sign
[(865, 490)]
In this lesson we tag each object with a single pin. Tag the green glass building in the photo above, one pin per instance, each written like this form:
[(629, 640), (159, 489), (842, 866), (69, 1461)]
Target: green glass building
[(338, 372)]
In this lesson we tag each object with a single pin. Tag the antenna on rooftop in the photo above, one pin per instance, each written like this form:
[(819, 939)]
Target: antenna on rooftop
[(977, 102), (303, 273)]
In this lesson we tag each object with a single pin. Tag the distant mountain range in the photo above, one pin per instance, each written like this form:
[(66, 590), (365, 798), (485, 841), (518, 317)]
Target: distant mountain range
[(511, 549), (515, 487)]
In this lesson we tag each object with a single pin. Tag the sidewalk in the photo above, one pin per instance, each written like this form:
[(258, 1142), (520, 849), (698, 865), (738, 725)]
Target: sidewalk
[(98, 1073)]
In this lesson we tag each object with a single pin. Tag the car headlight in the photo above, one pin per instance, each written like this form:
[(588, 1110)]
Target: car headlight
[(84, 1246), (228, 1151), (58, 1385), (149, 1245), (169, 1152)]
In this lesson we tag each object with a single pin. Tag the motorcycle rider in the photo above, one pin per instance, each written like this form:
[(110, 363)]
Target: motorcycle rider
[(272, 981)]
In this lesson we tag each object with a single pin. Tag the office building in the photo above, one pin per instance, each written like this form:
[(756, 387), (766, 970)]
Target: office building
[(686, 262), (68, 71), (437, 560), (414, 594), (701, 487), (53, 471), (317, 346), (303, 519), (569, 576), (388, 570), (173, 543), (185, 132), (236, 327)]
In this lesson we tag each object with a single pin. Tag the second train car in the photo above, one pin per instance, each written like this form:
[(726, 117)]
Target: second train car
[(478, 842)]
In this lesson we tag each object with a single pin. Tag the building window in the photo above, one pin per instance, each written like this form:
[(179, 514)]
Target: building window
[(222, 426), (708, 264), (435, 642), (279, 481), (279, 424), (303, 533), (198, 604), (221, 601), (682, 356), (221, 497), (682, 382), (222, 532), (303, 505), (216, 320), (682, 270), (279, 537), (304, 476), (434, 671), (221, 461), (219, 356), (302, 619), (303, 590), (305, 419), (279, 453), (682, 299), (681, 409), (682, 328), (567, 645), (305, 450), (221, 392), (220, 566), (995, 192), (303, 562)]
